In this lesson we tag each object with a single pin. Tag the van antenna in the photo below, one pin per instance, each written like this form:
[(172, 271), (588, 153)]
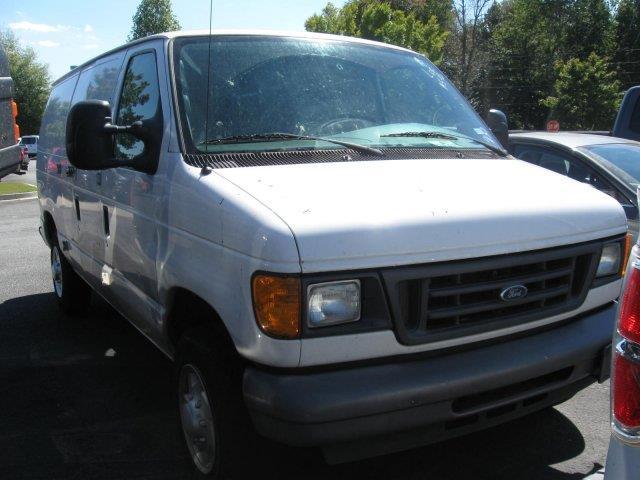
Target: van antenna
[(206, 118)]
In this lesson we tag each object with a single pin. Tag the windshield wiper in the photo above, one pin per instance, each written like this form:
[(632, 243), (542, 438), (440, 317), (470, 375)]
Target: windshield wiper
[(445, 136), (268, 137), (442, 136)]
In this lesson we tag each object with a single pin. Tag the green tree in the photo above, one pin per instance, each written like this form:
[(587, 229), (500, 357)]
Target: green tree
[(464, 52), (626, 42), (31, 83), (586, 94), (153, 16), (424, 9), (530, 38), (522, 48), (380, 21), (330, 20), (587, 28)]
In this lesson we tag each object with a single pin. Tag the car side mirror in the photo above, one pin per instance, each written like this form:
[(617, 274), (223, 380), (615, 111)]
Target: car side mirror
[(499, 125), (90, 139)]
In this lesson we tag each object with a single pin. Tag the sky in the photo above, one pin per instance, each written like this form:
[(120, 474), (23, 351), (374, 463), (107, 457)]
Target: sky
[(70, 32)]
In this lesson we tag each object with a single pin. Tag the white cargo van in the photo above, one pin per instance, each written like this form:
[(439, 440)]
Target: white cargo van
[(30, 142), (327, 240)]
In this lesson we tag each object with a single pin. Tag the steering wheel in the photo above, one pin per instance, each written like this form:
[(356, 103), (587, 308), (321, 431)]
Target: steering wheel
[(342, 125)]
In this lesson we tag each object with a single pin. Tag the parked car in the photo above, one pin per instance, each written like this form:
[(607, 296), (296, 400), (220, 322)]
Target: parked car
[(627, 123), (9, 131), (31, 142), (609, 164), (326, 239), (623, 458)]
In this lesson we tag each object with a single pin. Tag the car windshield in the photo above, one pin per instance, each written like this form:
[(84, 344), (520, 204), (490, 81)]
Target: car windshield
[(348, 91), (623, 156)]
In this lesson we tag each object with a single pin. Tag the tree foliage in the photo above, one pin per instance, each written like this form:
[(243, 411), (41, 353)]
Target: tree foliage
[(509, 54), (153, 16), (626, 42), (522, 49), (586, 94), (381, 21), (31, 83), (530, 37), (465, 51)]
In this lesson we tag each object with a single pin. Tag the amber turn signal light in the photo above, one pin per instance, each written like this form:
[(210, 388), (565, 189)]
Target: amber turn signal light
[(276, 302)]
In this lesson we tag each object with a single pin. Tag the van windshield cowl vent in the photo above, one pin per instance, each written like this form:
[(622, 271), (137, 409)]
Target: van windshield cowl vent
[(293, 157)]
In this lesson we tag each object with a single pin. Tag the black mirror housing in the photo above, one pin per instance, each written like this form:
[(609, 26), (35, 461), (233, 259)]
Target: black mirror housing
[(90, 138), (499, 125), (89, 146)]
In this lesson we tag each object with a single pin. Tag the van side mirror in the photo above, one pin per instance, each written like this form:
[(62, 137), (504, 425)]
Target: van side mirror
[(90, 139), (499, 125)]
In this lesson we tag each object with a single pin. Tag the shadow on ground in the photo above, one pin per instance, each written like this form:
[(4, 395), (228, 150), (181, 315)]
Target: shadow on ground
[(67, 410)]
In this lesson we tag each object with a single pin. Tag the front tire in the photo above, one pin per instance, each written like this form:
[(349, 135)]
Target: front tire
[(212, 414), (72, 293)]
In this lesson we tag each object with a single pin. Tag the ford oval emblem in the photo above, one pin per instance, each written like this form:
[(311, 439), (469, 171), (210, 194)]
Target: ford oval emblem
[(515, 292)]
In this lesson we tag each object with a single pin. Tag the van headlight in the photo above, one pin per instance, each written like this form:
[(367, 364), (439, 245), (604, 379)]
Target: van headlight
[(609, 260), (333, 303)]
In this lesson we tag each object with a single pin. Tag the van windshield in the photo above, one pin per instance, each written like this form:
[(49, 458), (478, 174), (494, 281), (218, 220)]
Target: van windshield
[(353, 92)]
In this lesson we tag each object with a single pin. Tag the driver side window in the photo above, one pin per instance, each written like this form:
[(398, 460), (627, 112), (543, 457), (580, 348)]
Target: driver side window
[(139, 100), (566, 165)]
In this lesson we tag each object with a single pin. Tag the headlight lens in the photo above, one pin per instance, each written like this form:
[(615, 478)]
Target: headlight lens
[(609, 260), (333, 303)]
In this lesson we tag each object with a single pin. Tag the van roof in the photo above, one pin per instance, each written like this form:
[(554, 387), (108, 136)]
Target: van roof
[(230, 32)]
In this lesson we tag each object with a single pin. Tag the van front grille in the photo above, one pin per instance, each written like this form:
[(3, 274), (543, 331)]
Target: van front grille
[(465, 298), (439, 301)]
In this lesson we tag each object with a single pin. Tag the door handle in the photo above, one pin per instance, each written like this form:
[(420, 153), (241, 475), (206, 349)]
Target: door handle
[(105, 221)]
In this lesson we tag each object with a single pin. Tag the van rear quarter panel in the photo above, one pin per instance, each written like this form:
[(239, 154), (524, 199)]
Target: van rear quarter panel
[(54, 187), (215, 238)]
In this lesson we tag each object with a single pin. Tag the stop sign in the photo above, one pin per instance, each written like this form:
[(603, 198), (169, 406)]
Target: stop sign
[(553, 126)]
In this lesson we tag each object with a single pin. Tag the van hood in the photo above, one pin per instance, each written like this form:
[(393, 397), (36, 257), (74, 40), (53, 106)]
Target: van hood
[(399, 212)]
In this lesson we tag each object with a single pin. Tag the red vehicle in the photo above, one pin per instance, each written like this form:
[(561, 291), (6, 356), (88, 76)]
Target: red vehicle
[(24, 158)]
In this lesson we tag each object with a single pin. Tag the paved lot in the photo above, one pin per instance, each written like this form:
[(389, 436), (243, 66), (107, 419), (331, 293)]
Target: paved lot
[(69, 411)]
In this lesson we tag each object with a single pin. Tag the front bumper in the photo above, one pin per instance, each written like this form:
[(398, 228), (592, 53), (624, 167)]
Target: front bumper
[(367, 410)]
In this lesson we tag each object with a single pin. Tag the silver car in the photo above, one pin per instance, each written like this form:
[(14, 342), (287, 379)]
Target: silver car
[(609, 164)]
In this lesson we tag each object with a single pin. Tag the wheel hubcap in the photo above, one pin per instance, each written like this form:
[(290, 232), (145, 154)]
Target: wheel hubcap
[(56, 271), (196, 418)]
